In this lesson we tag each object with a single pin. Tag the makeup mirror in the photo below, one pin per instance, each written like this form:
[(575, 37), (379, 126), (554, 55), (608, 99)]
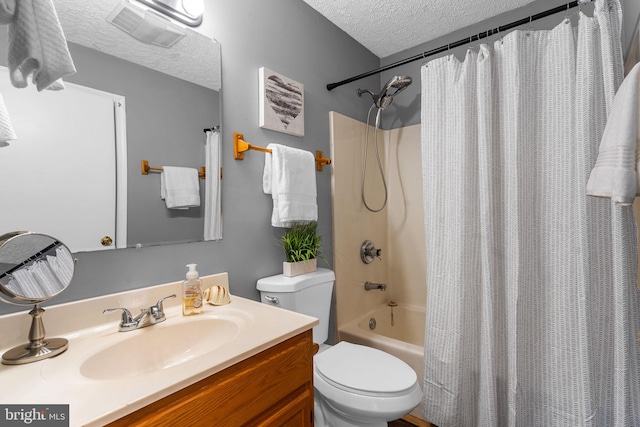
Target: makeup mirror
[(33, 269)]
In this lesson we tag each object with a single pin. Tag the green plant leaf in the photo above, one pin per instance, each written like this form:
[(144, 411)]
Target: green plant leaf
[(300, 242)]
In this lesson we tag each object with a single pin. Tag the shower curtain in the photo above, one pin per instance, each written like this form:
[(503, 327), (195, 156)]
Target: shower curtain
[(212, 191), (532, 304)]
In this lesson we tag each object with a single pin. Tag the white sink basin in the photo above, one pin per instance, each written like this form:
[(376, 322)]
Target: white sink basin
[(158, 347), (107, 355)]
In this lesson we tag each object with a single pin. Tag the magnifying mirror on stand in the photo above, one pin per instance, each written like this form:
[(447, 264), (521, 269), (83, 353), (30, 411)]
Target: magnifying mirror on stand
[(33, 269)]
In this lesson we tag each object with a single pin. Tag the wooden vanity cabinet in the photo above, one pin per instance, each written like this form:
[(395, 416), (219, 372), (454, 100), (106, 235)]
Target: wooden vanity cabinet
[(272, 388)]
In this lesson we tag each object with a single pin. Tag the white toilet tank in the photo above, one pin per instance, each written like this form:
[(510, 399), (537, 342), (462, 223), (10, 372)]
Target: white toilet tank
[(308, 294)]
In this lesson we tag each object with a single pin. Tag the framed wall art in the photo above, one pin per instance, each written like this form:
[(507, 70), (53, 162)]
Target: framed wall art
[(281, 103)]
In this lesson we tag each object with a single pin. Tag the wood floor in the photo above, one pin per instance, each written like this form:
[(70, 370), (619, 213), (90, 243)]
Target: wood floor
[(415, 422), (400, 423)]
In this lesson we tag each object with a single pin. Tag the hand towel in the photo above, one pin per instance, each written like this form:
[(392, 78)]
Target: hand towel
[(289, 176), (37, 46), (7, 11), (615, 174), (180, 187)]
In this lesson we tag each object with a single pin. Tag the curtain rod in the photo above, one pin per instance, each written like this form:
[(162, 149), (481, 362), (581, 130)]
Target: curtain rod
[(462, 42)]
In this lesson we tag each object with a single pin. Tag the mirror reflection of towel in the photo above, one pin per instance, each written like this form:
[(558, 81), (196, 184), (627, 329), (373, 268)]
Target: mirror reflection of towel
[(180, 187)]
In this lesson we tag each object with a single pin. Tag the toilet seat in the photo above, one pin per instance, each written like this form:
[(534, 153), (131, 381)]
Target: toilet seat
[(364, 370), (357, 385)]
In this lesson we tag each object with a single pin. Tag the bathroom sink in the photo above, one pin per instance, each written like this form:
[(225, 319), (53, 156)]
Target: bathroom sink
[(158, 347)]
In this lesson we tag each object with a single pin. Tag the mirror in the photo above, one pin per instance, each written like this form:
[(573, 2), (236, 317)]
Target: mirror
[(33, 269), (168, 97)]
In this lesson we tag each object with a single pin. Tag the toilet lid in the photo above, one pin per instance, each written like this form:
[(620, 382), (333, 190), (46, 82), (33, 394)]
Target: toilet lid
[(364, 368)]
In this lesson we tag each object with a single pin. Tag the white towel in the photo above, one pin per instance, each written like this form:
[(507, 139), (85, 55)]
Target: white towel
[(7, 11), (615, 174), (289, 176), (180, 187), (37, 46)]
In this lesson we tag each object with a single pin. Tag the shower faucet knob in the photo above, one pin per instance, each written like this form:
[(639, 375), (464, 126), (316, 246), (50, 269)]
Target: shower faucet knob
[(368, 252)]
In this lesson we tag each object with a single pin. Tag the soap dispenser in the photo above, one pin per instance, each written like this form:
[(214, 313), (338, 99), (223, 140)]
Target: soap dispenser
[(191, 292)]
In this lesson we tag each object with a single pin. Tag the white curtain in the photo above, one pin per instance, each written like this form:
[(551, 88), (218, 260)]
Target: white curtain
[(212, 191), (533, 310)]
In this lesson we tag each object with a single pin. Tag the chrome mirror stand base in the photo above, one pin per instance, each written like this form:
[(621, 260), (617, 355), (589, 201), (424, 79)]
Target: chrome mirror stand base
[(38, 348)]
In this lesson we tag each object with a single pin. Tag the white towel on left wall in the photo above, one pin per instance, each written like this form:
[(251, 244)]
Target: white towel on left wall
[(180, 187), (37, 46)]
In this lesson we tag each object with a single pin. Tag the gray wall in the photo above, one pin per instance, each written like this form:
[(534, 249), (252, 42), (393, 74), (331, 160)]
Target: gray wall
[(288, 37), (406, 107)]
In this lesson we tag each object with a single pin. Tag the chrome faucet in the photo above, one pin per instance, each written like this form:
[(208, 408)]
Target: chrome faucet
[(156, 312), (147, 316), (368, 286)]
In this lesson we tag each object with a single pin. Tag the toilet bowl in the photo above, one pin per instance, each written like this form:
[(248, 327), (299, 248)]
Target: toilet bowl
[(362, 386), (354, 385)]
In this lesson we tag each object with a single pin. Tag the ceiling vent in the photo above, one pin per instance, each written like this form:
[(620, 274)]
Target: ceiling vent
[(145, 25)]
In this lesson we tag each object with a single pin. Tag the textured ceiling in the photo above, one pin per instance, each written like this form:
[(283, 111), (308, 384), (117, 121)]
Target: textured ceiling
[(195, 58), (387, 27)]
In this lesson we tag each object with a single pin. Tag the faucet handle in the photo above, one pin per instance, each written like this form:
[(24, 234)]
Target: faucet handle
[(127, 319), (161, 300), (157, 310)]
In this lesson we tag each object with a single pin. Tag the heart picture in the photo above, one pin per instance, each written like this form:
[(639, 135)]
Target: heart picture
[(281, 103)]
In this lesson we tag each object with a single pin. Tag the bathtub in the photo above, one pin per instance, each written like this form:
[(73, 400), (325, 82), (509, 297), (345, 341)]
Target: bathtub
[(404, 339)]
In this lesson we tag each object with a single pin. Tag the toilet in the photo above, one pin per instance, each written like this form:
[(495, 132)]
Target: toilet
[(354, 385)]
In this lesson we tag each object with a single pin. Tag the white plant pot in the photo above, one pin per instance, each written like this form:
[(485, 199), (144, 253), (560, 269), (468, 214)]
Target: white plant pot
[(291, 269)]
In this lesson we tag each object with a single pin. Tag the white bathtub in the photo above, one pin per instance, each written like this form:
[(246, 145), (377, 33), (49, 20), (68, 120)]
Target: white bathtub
[(404, 339)]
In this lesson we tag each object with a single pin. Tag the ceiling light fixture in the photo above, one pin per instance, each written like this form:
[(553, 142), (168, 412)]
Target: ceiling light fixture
[(188, 12)]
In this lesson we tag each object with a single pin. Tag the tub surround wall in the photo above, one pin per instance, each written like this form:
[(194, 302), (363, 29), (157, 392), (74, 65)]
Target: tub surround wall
[(353, 223), (406, 255), (398, 229)]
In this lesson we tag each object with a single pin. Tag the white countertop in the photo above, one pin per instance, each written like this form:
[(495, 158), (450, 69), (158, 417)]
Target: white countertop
[(92, 402)]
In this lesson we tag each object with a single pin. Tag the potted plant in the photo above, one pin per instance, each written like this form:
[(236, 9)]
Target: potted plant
[(301, 247)]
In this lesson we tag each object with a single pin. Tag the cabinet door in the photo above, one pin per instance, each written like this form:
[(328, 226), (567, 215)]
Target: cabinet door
[(272, 388), (295, 413)]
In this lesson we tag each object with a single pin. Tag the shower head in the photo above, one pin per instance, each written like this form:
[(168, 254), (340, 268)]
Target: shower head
[(395, 85)]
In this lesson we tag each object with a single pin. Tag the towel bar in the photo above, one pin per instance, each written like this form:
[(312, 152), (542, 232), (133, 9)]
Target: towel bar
[(145, 168), (240, 146)]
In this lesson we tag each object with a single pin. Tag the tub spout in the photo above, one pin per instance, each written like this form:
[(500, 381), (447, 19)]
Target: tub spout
[(370, 285)]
